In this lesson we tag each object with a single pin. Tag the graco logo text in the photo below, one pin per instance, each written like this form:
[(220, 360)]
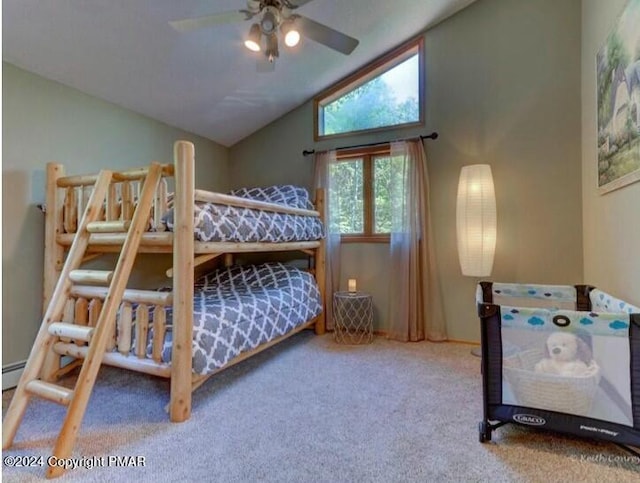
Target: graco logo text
[(529, 419)]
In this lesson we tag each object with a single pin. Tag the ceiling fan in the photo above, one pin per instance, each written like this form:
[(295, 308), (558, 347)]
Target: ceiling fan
[(273, 16)]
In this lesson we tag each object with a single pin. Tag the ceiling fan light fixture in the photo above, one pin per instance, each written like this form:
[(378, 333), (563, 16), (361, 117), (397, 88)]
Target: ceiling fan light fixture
[(291, 34), (292, 38), (270, 20), (253, 40)]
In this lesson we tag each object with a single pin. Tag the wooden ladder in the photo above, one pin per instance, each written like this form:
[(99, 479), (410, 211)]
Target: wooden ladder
[(98, 336)]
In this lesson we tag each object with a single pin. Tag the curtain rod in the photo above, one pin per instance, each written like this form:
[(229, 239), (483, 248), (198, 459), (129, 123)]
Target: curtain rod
[(433, 135)]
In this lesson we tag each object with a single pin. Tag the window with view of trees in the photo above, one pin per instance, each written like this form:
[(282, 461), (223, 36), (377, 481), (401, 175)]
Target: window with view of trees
[(361, 194), (387, 93)]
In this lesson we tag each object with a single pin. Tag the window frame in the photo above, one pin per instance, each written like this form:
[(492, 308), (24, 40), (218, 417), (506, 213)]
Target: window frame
[(376, 68), (367, 155)]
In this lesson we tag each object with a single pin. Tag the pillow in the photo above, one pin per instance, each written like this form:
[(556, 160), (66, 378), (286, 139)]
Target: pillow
[(290, 195)]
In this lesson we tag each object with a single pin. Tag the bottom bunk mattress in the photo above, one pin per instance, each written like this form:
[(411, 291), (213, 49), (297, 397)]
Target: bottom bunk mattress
[(240, 308)]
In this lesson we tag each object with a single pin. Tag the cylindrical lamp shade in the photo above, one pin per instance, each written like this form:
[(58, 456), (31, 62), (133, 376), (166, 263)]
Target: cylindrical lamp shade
[(352, 285), (476, 220)]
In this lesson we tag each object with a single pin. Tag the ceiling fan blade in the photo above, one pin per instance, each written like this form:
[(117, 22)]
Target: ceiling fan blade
[(326, 35), (190, 24)]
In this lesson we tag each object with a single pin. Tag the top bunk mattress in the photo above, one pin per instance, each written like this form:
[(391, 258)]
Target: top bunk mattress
[(222, 223), (240, 308)]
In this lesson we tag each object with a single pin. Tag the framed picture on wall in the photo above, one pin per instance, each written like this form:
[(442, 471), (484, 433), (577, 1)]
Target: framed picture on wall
[(618, 102)]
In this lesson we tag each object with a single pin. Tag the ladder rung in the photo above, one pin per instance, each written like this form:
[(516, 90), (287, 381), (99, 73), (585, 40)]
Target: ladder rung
[(100, 277), (117, 226), (71, 331), (51, 392), (130, 295)]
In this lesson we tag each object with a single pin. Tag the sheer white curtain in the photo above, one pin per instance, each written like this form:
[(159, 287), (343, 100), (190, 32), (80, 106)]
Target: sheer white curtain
[(415, 301), (323, 162)]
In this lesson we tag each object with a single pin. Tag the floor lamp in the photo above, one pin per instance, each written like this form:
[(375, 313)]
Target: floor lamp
[(476, 222)]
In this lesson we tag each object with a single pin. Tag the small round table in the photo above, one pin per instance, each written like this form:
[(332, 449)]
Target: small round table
[(353, 317)]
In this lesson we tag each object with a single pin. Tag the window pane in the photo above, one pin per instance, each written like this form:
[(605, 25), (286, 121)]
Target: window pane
[(381, 194), (390, 99), (346, 197), (389, 179)]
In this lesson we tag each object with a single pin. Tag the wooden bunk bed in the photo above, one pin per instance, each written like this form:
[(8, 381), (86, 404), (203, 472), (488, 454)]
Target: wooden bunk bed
[(91, 315)]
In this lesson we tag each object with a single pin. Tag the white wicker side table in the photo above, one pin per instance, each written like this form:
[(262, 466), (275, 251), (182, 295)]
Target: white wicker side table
[(353, 317)]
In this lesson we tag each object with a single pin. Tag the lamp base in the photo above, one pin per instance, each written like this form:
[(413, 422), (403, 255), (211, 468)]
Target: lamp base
[(476, 351)]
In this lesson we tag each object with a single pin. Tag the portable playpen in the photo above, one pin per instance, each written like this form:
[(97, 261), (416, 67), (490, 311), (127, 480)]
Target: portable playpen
[(563, 358)]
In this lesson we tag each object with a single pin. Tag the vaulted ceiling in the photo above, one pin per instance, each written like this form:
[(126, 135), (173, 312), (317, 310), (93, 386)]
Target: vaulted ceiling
[(204, 81)]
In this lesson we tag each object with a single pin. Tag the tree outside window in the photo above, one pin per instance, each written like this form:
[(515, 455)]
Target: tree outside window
[(386, 93), (361, 198)]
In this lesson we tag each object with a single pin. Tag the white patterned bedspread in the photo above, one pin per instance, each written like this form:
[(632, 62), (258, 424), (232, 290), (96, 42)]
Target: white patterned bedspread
[(239, 308)]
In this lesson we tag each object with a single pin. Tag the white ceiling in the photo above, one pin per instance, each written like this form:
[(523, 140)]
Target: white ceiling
[(125, 52)]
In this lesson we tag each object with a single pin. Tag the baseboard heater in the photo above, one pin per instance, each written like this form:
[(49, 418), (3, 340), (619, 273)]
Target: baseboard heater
[(11, 372)]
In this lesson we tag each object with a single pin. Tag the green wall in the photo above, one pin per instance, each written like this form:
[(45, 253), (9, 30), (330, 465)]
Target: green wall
[(503, 88), (45, 121)]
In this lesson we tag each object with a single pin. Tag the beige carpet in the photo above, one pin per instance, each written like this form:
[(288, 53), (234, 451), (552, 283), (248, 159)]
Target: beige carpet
[(311, 410)]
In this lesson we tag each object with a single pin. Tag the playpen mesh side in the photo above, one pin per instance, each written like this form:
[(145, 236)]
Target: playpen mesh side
[(573, 395), (609, 393)]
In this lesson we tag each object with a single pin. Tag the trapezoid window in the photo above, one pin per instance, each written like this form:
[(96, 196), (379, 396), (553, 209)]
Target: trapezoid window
[(386, 93)]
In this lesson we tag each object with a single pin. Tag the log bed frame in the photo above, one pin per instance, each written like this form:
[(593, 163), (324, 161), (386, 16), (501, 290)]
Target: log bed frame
[(65, 198)]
